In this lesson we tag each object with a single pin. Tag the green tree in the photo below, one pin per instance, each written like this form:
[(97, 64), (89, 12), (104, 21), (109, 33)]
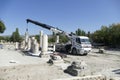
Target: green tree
[(101, 36), (63, 38), (2, 27), (114, 32), (52, 39), (1, 38), (16, 36), (83, 33), (89, 34), (13, 37), (38, 38), (110, 36), (7, 38), (80, 32)]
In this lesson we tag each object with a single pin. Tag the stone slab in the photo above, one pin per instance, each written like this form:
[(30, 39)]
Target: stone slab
[(92, 77)]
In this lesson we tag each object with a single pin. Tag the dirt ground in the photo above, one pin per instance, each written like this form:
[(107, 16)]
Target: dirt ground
[(107, 64), (15, 65)]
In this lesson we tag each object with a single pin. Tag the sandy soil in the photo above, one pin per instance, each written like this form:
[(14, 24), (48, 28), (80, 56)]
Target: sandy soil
[(15, 65), (107, 64)]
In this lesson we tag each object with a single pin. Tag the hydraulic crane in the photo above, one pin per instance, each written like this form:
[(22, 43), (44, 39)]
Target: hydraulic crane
[(79, 44)]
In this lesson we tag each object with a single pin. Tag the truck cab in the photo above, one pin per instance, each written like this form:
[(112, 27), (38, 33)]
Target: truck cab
[(80, 45)]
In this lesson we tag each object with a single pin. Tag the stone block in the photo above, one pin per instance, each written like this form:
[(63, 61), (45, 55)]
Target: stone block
[(92, 77), (101, 50), (78, 68)]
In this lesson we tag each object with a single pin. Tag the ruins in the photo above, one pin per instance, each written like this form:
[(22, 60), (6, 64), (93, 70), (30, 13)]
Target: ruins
[(78, 68), (33, 47)]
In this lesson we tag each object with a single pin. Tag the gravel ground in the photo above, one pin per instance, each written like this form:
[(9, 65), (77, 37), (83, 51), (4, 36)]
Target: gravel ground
[(107, 64), (15, 65)]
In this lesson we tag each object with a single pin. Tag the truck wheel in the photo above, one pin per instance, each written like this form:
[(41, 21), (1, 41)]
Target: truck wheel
[(85, 54), (68, 48), (74, 51)]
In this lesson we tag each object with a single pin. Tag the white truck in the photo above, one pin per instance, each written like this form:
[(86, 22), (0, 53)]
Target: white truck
[(78, 44)]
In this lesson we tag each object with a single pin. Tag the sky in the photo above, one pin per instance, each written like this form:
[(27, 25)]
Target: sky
[(67, 15)]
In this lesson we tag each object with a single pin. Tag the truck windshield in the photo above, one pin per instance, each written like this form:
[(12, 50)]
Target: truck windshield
[(87, 41)]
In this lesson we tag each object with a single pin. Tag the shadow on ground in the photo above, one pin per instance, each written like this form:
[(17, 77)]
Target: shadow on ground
[(26, 53), (66, 53), (117, 71)]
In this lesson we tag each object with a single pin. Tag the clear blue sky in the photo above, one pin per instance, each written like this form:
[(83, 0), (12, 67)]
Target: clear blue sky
[(68, 15)]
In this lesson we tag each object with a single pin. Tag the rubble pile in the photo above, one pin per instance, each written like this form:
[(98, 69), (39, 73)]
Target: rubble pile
[(77, 68), (56, 58), (101, 50)]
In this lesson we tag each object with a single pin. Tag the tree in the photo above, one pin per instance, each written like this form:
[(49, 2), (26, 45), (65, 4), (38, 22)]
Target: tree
[(1, 38), (114, 31), (2, 27), (52, 39), (110, 36), (13, 37), (89, 34), (80, 32), (16, 36), (38, 38), (7, 38), (63, 38), (101, 36), (83, 33)]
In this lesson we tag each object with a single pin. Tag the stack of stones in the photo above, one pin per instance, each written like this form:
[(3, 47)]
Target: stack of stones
[(77, 68), (55, 59), (101, 50)]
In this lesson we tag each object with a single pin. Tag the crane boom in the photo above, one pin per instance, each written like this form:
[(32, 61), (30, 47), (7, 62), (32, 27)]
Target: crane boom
[(56, 30), (77, 45)]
